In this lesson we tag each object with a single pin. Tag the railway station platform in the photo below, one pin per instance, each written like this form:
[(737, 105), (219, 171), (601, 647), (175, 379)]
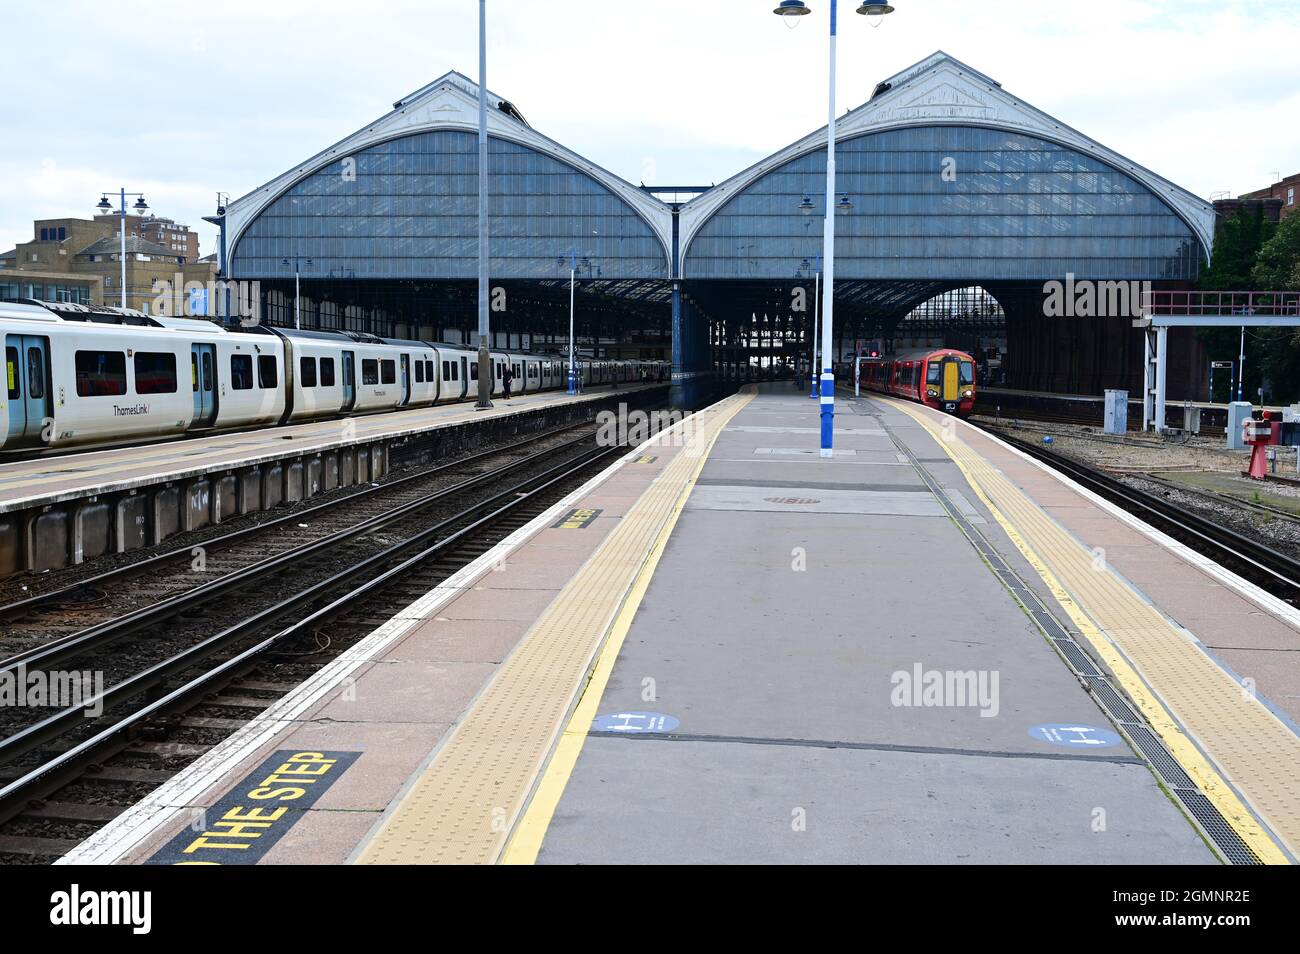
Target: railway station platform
[(724, 648), (60, 510)]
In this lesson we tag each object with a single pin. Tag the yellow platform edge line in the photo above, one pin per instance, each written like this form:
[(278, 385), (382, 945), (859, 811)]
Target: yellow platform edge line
[(525, 841), (1198, 767)]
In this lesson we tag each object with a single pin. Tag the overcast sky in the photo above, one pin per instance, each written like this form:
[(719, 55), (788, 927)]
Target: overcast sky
[(179, 100)]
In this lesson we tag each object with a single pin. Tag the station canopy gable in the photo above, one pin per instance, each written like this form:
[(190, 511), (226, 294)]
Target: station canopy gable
[(950, 179), (399, 200), (953, 181)]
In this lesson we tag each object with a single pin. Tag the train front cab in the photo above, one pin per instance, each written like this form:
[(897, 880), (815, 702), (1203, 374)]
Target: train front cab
[(950, 383)]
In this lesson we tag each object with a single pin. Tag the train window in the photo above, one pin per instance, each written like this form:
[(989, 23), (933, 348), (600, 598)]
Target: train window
[(241, 372), (388, 372), (473, 372), (967, 373), (369, 371), (446, 370), (11, 369), (419, 372), (307, 373), (100, 373), (327, 372), (35, 373), (429, 370), (932, 373), (207, 371), (155, 373), (268, 371), (499, 371)]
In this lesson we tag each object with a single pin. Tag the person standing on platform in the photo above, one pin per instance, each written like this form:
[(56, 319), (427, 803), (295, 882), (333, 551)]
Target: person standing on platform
[(507, 378)]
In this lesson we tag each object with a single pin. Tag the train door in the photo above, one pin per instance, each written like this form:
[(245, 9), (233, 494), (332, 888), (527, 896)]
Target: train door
[(203, 366), (27, 378), (464, 377), (405, 361), (349, 380), (951, 388)]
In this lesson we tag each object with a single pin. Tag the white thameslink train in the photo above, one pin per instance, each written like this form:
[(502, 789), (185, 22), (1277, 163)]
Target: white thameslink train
[(79, 374)]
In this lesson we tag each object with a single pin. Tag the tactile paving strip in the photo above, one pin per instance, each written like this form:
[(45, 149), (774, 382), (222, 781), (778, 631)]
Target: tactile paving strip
[(467, 800), (1159, 667)]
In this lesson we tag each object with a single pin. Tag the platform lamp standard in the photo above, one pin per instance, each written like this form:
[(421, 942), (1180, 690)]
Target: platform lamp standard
[(797, 8), (484, 329), (298, 266), (806, 209), (140, 208), (573, 284)]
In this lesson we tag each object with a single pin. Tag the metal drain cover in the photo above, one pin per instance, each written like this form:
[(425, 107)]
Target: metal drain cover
[(793, 501)]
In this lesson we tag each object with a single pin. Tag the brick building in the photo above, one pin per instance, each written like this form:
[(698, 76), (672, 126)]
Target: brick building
[(1287, 190), (167, 233), (72, 259)]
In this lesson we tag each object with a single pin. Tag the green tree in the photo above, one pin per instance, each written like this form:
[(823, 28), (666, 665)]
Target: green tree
[(1277, 268), (1237, 243), (1278, 261)]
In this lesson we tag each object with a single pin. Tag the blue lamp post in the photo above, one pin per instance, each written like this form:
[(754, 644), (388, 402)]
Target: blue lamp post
[(797, 8)]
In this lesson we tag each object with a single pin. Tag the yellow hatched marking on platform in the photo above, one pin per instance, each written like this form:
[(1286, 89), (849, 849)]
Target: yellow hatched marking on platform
[(1157, 666), (470, 797)]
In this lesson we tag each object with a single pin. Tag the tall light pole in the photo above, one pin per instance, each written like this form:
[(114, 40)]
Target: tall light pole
[(573, 284), (140, 207), (797, 8), (484, 330), (812, 360), (297, 289), (806, 209)]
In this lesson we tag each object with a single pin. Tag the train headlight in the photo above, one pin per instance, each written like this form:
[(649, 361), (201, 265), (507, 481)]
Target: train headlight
[(967, 393), (932, 392)]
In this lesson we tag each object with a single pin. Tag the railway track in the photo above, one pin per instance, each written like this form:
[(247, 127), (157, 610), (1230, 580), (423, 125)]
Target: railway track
[(1222, 500), (1272, 571), (65, 600), (1009, 417), (183, 672)]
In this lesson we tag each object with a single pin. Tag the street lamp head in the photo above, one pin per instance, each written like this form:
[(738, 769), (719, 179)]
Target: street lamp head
[(844, 204), (806, 206), (791, 8), (875, 9), (140, 206), (104, 205)]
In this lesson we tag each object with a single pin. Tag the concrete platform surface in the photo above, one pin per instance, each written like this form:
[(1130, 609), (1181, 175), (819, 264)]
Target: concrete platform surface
[(929, 650)]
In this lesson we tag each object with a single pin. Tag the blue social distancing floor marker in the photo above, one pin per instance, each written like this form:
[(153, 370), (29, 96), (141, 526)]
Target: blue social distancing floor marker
[(1075, 736), (634, 723)]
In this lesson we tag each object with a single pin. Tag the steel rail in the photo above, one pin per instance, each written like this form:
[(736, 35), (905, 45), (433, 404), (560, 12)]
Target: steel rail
[(15, 795)]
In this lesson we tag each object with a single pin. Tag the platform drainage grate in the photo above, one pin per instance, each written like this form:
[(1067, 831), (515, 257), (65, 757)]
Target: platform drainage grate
[(1220, 832), (1159, 757), (1115, 704), (792, 501)]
